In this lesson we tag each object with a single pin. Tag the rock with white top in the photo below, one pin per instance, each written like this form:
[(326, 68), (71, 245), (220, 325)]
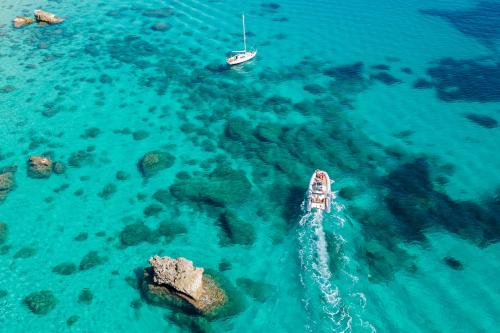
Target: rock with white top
[(43, 16)]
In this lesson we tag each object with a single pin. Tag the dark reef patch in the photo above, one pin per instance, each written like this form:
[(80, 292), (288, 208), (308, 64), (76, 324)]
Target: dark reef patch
[(24, 253), (385, 78), (259, 291), (480, 22), (235, 230), (417, 206), (85, 296), (65, 268), (467, 80), (422, 84), (91, 260), (136, 233), (453, 263), (484, 121), (41, 302)]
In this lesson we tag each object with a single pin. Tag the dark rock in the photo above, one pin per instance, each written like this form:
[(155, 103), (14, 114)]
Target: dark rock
[(92, 132), (3, 232), (85, 296), (385, 78), (260, 291), (153, 210), (41, 302), (155, 161), (136, 233), (236, 230), (91, 259), (484, 121), (65, 268), (80, 158), (381, 67), (170, 229), (3, 293), (107, 191), (422, 84), (72, 320), (7, 89), (59, 168), (122, 175), (224, 186), (81, 237), (140, 135), (105, 79), (314, 88), (453, 263), (24, 253)]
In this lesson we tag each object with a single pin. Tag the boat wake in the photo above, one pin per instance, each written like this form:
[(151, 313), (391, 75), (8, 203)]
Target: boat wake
[(323, 301)]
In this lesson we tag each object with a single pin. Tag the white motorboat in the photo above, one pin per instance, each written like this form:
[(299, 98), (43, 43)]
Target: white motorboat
[(241, 55), (319, 194)]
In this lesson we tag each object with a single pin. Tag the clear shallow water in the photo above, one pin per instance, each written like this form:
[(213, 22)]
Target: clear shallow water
[(419, 176)]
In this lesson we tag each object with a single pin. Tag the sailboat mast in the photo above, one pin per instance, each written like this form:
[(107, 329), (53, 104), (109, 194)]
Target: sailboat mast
[(244, 35)]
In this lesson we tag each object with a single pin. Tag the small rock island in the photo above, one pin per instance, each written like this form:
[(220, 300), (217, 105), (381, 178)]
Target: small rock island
[(177, 282)]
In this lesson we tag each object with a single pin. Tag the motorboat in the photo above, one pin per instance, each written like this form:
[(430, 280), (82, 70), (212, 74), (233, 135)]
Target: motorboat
[(244, 55), (319, 194)]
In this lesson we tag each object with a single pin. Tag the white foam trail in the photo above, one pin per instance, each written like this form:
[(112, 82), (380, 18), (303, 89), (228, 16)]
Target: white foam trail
[(314, 259), (328, 310)]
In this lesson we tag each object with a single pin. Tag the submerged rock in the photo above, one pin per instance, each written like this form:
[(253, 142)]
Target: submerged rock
[(91, 259), (65, 268), (3, 232), (236, 230), (39, 167), (43, 16), (453, 263), (177, 282), (41, 302), (222, 187), (136, 233), (21, 21), (155, 161), (7, 183), (59, 168)]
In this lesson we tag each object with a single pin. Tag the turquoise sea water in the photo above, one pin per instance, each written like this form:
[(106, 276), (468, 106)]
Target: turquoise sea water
[(398, 100)]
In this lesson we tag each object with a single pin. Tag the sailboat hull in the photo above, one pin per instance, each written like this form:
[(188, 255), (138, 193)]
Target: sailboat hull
[(241, 58)]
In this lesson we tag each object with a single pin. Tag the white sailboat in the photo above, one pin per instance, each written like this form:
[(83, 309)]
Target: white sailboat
[(242, 55)]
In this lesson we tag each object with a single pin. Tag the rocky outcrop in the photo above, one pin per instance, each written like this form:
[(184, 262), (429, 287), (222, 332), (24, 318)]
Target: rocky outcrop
[(179, 273), (155, 161), (177, 282), (43, 16), (39, 167), (21, 21), (7, 181)]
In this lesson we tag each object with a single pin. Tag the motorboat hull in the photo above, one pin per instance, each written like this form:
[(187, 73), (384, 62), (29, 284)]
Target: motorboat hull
[(319, 193), (241, 58)]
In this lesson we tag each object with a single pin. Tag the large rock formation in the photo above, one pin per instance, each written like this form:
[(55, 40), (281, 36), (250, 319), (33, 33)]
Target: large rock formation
[(7, 181), (39, 167), (177, 282), (21, 21), (43, 16)]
